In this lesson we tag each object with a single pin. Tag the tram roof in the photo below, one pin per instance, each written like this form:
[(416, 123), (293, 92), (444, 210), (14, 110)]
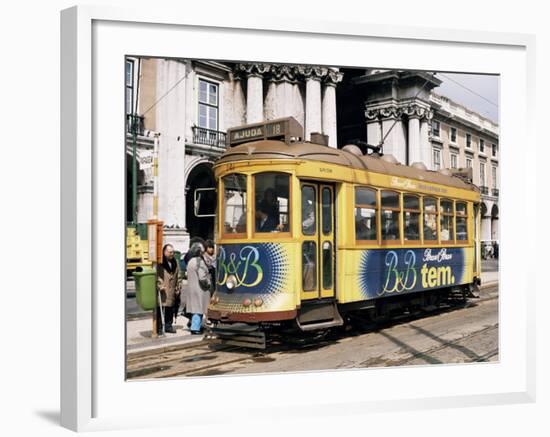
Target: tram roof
[(270, 149)]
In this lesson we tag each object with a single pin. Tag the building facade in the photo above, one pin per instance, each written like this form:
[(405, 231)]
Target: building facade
[(461, 138), (187, 106)]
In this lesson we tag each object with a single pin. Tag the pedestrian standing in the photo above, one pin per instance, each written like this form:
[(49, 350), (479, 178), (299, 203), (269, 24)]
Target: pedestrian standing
[(169, 287), (197, 295)]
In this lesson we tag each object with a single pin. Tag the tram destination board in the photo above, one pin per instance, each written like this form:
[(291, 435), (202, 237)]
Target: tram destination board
[(285, 129)]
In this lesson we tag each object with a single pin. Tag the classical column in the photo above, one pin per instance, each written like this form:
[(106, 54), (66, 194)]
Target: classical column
[(374, 127), (313, 106), (486, 228), (329, 113), (254, 90), (281, 92), (425, 141), (414, 140), (313, 76), (329, 106), (254, 99)]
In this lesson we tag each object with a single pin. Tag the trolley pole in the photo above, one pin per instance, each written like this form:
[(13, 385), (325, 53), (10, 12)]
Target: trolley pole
[(154, 333)]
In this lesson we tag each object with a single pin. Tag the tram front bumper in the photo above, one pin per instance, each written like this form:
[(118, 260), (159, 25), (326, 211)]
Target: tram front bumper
[(251, 317)]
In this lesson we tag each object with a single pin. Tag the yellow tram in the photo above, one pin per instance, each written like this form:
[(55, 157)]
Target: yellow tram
[(307, 234)]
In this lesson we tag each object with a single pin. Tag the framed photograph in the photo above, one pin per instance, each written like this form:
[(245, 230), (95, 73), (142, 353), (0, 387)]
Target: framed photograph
[(318, 217)]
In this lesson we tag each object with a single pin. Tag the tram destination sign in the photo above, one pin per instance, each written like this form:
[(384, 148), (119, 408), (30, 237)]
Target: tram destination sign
[(285, 129)]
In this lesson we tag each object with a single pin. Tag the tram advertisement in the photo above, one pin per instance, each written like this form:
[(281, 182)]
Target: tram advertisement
[(398, 271), (254, 268), (258, 272)]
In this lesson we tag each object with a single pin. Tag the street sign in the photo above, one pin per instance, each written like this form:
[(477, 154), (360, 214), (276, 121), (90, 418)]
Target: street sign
[(284, 129)]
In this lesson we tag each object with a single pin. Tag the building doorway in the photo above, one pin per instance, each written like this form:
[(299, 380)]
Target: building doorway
[(201, 176)]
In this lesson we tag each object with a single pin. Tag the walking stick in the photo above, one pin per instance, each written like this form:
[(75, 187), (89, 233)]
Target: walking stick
[(161, 312)]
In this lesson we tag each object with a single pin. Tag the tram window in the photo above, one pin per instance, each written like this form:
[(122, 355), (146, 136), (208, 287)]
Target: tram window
[(234, 204), (327, 265), (461, 222), (446, 225), (460, 208), (390, 215), (326, 209), (365, 214), (430, 219), (271, 202), (309, 210), (411, 216), (309, 265)]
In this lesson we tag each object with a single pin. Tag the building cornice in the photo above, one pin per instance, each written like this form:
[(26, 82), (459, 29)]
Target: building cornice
[(289, 73)]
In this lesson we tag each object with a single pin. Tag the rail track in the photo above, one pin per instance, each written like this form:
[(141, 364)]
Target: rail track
[(212, 358)]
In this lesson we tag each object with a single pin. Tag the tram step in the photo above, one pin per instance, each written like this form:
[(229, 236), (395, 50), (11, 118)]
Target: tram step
[(319, 315), (240, 335), (320, 325)]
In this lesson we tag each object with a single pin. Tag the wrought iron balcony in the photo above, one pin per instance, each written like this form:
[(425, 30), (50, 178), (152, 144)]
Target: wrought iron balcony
[(135, 123), (484, 190), (495, 192), (208, 137)]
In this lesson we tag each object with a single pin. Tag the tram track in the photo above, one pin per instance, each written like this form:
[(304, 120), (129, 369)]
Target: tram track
[(213, 358), (428, 352)]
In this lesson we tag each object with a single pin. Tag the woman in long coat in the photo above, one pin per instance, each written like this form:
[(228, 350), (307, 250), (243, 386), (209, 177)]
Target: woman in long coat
[(168, 284), (197, 295)]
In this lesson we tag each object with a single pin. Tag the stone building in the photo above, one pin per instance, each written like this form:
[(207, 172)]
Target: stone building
[(461, 138), (188, 106), (400, 111)]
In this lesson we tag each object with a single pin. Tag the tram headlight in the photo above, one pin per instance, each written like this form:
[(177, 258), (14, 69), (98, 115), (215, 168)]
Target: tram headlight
[(231, 282)]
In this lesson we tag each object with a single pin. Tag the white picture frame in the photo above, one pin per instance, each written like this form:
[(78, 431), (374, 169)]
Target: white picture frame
[(93, 392)]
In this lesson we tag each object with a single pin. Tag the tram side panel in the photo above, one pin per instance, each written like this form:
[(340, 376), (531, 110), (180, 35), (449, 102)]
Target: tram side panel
[(375, 273)]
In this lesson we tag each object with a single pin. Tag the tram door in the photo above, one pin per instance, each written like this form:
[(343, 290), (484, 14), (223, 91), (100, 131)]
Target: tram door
[(317, 229)]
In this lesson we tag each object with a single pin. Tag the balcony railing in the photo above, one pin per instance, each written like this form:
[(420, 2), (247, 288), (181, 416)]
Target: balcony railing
[(484, 190), (135, 123), (495, 192), (208, 137)]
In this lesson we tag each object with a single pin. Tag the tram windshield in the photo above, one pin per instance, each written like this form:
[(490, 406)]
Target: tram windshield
[(234, 204), (272, 202)]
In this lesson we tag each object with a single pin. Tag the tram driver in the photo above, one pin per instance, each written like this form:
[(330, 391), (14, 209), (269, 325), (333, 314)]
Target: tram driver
[(265, 222)]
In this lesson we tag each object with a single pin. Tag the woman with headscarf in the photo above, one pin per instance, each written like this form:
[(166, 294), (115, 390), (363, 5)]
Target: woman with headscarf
[(197, 295), (168, 284)]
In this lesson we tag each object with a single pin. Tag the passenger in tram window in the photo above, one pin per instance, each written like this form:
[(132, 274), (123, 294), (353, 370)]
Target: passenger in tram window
[(411, 232), (264, 222), (270, 205), (365, 225)]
